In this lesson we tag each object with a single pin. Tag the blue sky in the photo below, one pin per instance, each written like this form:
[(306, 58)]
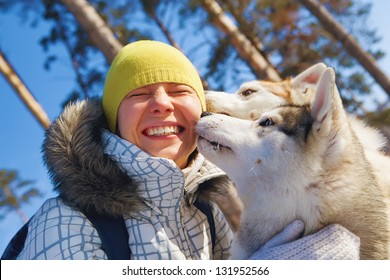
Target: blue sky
[(21, 135)]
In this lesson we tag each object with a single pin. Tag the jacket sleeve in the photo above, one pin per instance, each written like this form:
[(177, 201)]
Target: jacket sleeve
[(58, 232), (223, 235)]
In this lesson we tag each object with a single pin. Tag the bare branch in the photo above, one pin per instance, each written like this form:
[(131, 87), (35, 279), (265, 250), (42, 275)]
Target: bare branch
[(99, 32), (13, 79), (261, 67), (349, 43)]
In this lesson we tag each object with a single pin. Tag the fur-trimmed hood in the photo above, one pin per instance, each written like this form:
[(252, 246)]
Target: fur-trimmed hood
[(83, 175)]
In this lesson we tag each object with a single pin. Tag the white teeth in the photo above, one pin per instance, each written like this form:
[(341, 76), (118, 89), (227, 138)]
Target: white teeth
[(161, 131)]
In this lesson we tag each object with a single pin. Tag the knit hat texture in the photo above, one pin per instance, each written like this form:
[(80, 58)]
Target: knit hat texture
[(145, 63)]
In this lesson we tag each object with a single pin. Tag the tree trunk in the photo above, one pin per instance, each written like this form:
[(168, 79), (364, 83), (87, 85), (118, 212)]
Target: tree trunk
[(349, 43), (99, 32), (259, 64), (255, 41), (13, 79)]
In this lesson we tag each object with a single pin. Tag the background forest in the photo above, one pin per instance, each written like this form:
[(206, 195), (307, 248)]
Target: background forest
[(60, 50)]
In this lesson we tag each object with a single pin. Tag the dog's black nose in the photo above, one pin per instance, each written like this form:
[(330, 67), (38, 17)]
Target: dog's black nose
[(204, 114)]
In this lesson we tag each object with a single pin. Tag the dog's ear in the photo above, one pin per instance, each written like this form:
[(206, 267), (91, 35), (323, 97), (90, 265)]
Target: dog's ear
[(329, 119), (326, 105), (310, 75), (322, 102)]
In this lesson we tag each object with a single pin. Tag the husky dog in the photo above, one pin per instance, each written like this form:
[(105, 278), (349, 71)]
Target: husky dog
[(256, 97), (299, 162)]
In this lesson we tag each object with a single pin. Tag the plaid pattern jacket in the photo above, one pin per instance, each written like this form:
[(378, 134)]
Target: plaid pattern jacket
[(91, 167)]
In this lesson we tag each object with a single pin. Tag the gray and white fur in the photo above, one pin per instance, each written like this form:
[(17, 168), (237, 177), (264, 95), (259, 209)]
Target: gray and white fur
[(300, 161)]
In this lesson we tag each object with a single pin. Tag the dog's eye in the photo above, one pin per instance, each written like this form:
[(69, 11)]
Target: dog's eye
[(267, 122), (247, 92)]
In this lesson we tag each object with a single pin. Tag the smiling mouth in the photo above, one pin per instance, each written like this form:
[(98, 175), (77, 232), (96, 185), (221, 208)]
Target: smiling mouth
[(163, 130)]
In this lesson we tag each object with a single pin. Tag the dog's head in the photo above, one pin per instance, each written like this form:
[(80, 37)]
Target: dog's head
[(266, 150), (288, 140), (256, 97)]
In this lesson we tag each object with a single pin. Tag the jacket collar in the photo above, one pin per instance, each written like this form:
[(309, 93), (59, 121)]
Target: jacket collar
[(160, 182)]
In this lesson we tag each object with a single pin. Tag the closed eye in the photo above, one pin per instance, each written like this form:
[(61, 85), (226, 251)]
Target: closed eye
[(177, 92), (137, 94), (267, 122)]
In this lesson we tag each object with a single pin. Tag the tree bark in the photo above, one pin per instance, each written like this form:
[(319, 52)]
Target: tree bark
[(99, 32), (255, 41), (349, 43), (259, 64), (13, 79)]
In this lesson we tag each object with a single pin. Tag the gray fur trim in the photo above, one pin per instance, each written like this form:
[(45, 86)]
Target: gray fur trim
[(84, 176), (216, 186)]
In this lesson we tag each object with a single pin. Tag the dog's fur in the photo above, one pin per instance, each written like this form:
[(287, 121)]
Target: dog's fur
[(299, 162), (256, 97)]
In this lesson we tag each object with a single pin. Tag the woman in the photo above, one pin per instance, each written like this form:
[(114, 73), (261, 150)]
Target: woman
[(133, 155)]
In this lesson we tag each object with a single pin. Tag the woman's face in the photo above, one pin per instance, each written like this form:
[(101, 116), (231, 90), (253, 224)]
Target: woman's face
[(160, 119)]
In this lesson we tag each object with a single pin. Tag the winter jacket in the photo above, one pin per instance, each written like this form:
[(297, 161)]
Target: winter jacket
[(93, 168)]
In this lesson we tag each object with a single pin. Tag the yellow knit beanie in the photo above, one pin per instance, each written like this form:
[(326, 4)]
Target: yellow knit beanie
[(144, 63)]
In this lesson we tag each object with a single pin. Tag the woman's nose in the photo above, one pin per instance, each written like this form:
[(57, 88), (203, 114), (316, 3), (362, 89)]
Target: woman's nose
[(161, 102)]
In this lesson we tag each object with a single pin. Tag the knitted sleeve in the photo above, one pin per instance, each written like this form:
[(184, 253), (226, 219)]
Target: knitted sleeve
[(58, 232), (334, 242)]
